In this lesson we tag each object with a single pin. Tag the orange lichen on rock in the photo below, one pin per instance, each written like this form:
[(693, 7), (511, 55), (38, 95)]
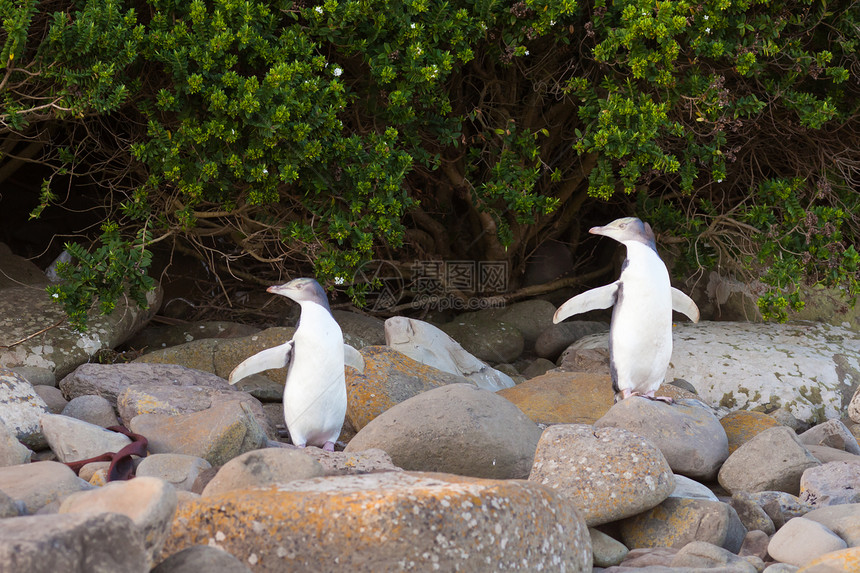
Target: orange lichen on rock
[(743, 425), (389, 377), (834, 562), (387, 521)]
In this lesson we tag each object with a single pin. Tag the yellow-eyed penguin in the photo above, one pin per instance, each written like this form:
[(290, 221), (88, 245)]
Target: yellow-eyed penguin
[(640, 334), (315, 390)]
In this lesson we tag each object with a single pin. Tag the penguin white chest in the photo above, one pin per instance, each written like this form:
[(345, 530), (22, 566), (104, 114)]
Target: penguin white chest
[(315, 390), (641, 329)]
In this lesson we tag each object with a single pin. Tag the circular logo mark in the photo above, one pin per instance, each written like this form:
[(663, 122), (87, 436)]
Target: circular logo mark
[(381, 282)]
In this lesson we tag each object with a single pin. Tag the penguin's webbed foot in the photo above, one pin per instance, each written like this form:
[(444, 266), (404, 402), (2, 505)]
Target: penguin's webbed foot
[(650, 395), (328, 447)]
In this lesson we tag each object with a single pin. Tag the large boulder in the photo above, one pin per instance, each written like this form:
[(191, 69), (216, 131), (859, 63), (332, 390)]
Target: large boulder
[(812, 369), (21, 409)]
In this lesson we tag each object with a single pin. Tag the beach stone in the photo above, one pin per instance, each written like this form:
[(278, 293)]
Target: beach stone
[(702, 554), (643, 558), (489, 340), (785, 418), (755, 544), (260, 468), (40, 484), (833, 483), (537, 368), (429, 345), (217, 434), (109, 380), (377, 522), (605, 550), (783, 568), (833, 434), (74, 440), (149, 502), (20, 409), (390, 377), (679, 521), (608, 473), (531, 317), (778, 505), (834, 562), (12, 452), (457, 428), (686, 487), (36, 375), (52, 396), (594, 360), (93, 409), (155, 337), (772, 460), (8, 507), (742, 425), (72, 543), (843, 520), (809, 368), (360, 330), (563, 397), (751, 514), (63, 348), (201, 559), (801, 540), (825, 454), (557, 337), (179, 470), (157, 398), (686, 432), (337, 463)]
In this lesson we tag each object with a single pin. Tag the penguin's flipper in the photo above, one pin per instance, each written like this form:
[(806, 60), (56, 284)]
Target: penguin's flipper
[(600, 297), (276, 357), (685, 305), (352, 357)]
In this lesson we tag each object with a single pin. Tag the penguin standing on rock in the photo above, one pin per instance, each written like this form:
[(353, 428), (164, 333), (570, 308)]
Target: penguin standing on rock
[(315, 389), (640, 334)]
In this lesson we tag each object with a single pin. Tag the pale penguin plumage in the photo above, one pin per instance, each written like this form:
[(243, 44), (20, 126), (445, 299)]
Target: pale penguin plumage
[(315, 389), (640, 333)]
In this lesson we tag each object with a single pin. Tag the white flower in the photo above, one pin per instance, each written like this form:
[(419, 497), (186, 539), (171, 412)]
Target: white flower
[(412, 25), (719, 180), (337, 72), (339, 280), (527, 52), (318, 10), (707, 30), (265, 171), (706, 16), (56, 295)]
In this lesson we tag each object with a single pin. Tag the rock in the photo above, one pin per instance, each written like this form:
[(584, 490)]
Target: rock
[(608, 473), (606, 551), (36, 375), (531, 317), (459, 429), (773, 460), (154, 338), (687, 432), (679, 521), (52, 396), (260, 468), (62, 349), (831, 433), (109, 380), (810, 368), (336, 463), (742, 425), (149, 502), (686, 487), (389, 378), (784, 417), (374, 522), (72, 543), (8, 507), (833, 483), (93, 409), (801, 540), (217, 434), (537, 368), (41, 484), (429, 345), (563, 397), (21, 408), (781, 568), (154, 398), (488, 340), (179, 470), (201, 559), (836, 561), (74, 440), (824, 454), (18, 271), (752, 515), (708, 555), (557, 337), (360, 330), (755, 544), (843, 520), (778, 505), (594, 360), (647, 557), (12, 452)]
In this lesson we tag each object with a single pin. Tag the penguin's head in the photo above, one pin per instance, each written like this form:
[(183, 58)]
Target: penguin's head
[(628, 229), (302, 290)]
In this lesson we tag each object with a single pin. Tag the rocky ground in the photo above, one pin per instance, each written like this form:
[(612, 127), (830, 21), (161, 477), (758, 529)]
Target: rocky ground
[(756, 466)]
